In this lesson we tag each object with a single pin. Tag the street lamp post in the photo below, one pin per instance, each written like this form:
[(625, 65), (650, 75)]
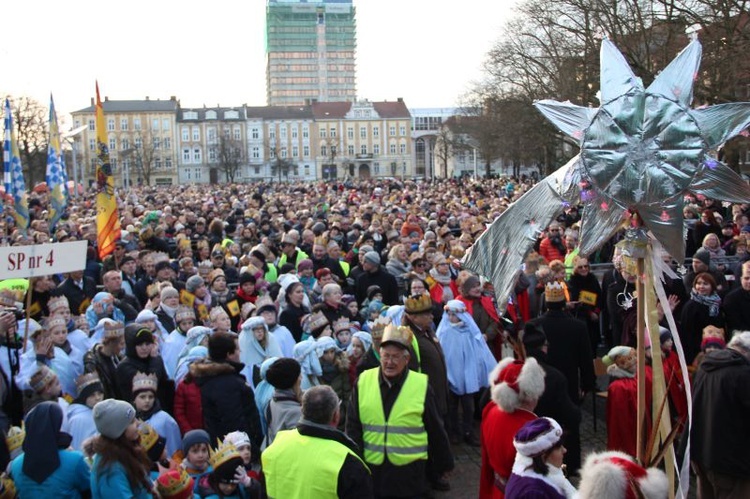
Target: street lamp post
[(70, 135)]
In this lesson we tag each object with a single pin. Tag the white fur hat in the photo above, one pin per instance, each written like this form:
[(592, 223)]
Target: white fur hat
[(615, 475), (512, 381)]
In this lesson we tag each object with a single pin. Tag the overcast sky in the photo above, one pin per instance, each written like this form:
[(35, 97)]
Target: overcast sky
[(211, 53)]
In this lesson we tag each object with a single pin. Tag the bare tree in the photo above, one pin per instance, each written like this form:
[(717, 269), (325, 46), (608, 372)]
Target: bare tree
[(332, 148), (445, 143), (230, 154), (31, 118), (279, 164)]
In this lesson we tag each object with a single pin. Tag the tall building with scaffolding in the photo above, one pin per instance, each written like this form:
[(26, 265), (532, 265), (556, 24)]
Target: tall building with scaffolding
[(310, 51)]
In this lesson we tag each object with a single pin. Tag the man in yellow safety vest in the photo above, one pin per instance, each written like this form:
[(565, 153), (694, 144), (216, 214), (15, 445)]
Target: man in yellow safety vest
[(393, 418), (315, 460)]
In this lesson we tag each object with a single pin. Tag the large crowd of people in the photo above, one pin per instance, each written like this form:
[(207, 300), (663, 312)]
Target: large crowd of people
[(323, 340)]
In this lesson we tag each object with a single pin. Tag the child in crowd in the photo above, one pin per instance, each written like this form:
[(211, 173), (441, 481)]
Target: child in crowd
[(334, 365), (148, 410), (195, 452), (342, 333), (228, 478), (80, 412), (184, 319), (361, 342), (241, 442), (155, 446)]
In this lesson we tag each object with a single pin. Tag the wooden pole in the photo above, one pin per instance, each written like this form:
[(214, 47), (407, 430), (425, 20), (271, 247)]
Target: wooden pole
[(641, 352)]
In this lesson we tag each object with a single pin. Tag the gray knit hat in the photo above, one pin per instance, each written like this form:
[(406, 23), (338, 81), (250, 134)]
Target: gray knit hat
[(194, 282), (373, 257), (112, 417)]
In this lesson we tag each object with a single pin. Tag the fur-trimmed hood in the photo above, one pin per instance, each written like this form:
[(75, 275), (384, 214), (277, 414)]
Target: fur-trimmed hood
[(207, 368)]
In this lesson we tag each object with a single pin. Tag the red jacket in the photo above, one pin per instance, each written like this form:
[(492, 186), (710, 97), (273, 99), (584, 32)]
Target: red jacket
[(498, 453), (188, 409), (549, 251), (622, 409)]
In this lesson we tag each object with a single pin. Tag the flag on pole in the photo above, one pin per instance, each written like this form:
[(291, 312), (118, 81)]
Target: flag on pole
[(15, 185), (107, 220), (57, 177)]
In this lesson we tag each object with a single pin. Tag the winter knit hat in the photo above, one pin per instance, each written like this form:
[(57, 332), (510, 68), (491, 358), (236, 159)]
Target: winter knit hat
[(283, 373), (146, 315), (703, 255), (194, 437), (513, 381), (537, 436), (194, 282), (169, 292), (616, 475), (237, 438), (305, 264), (372, 257), (112, 417)]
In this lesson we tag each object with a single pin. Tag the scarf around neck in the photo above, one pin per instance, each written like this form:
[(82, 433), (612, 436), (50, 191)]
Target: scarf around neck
[(712, 301)]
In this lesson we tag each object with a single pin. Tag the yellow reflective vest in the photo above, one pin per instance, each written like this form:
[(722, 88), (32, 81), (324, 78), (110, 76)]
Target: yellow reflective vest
[(299, 466), (402, 438)]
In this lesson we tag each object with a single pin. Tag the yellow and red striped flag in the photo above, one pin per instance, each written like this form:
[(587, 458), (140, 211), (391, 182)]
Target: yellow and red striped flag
[(107, 218)]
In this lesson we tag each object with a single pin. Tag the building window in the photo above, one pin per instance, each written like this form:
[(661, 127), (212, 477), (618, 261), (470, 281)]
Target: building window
[(402, 130), (376, 149), (167, 143), (402, 148), (189, 173), (168, 162), (305, 133), (92, 125), (157, 163), (283, 152), (295, 151), (185, 134), (362, 132), (363, 149), (211, 134), (376, 131), (136, 123), (350, 132), (125, 144), (186, 155), (112, 144), (113, 164), (155, 124), (198, 173), (256, 152), (322, 133), (333, 131), (165, 124), (255, 133), (282, 132), (323, 151), (138, 143), (212, 155), (350, 150), (307, 170), (306, 151), (294, 133), (92, 144), (197, 155), (376, 168), (111, 125), (157, 143), (123, 124), (257, 170), (392, 131), (392, 148), (236, 133), (272, 133), (272, 153), (196, 134)]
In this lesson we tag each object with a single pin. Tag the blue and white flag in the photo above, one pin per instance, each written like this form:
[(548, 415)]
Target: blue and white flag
[(15, 185), (57, 177)]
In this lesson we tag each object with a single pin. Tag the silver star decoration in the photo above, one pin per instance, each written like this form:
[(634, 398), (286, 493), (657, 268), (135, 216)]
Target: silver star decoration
[(642, 151)]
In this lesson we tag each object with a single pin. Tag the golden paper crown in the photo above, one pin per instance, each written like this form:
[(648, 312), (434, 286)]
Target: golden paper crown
[(15, 437), (416, 304), (159, 256), (216, 312), (55, 322), (175, 483), (341, 324), (397, 334), (317, 320), (40, 379), (57, 303), (184, 313), (320, 241), (554, 292), (148, 435), (222, 454), (113, 329), (205, 268), (215, 274), (264, 301), (379, 326), (143, 381), (85, 380)]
